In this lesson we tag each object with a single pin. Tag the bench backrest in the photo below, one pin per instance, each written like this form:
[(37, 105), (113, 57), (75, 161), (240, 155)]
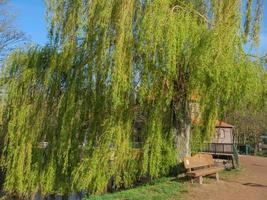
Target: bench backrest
[(198, 160)]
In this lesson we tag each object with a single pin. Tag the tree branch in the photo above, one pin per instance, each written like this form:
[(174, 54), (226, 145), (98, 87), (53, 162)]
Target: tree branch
[(194, 11)]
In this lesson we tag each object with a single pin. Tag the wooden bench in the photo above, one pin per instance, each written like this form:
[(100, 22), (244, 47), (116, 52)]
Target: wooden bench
[(201, 165)]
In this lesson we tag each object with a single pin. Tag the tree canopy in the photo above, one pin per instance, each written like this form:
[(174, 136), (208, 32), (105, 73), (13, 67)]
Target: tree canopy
[(117, 72)]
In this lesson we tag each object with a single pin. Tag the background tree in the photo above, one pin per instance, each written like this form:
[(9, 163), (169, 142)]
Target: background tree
[(250, 125), (250, 115), (9, 35)]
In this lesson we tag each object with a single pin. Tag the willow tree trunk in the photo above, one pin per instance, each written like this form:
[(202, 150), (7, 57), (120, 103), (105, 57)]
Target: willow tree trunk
[(182, 141), (187, 132), (186, 129), (182, 111), (183, 131)]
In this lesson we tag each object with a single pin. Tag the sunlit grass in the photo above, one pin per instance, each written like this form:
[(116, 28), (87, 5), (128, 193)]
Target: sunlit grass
[(162, 189)]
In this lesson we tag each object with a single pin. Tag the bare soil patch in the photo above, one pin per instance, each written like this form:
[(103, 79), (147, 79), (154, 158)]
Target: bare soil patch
[(250, 184)]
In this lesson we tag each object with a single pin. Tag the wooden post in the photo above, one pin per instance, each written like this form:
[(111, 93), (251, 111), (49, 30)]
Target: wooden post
[(192, 180), (200, 180), (217, 176)]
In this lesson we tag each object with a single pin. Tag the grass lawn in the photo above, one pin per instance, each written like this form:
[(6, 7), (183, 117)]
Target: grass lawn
[(263, 154), (162, 189), (227, 175)]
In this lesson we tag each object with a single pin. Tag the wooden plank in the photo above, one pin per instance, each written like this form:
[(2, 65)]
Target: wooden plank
[(199, 160), (205, 172), (217, 176), (200, 180)]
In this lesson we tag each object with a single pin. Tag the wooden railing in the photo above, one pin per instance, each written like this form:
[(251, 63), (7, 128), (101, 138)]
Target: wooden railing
[(219, 148)]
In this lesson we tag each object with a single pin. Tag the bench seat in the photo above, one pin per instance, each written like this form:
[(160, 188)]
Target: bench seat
[(204, 172)]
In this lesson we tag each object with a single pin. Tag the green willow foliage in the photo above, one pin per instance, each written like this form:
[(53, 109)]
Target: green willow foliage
[(252, 22), (114, 71)]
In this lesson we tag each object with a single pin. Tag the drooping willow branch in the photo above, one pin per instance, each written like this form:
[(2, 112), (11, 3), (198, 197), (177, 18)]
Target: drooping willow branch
[(195, 12)]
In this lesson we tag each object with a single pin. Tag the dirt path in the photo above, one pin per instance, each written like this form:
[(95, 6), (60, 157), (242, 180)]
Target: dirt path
[(250, 184)]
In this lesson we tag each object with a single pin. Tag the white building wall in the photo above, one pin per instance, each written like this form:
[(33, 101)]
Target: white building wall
[(223, 135)]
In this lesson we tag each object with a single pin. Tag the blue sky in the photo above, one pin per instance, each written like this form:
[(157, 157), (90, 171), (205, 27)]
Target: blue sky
[(263, 42), (263, 35), (30, 18)]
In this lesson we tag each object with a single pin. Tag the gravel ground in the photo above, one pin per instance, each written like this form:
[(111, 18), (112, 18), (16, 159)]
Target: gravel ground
[(250, 184)]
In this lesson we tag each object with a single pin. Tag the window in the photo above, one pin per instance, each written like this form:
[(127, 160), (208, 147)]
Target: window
[(221, 133)]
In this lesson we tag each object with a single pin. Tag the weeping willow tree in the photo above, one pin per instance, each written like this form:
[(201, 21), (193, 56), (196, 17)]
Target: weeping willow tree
[(72, 106)]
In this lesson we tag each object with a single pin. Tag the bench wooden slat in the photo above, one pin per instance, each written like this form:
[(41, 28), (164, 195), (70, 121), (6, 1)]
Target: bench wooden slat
[(198, 160), (205, 172)]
